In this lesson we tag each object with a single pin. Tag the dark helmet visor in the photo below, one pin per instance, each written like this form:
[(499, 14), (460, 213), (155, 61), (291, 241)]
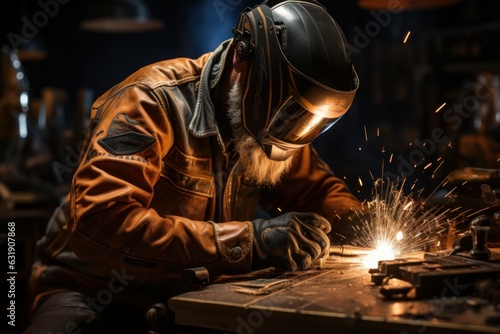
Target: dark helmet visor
[(309, 110), (293, 124)]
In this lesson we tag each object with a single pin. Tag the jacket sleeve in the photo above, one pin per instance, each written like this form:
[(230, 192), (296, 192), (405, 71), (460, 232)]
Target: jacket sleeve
[(111, 222), (311, 186)]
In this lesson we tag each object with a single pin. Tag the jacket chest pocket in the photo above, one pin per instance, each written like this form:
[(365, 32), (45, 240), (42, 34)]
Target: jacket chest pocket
[(185, 187), (246, 198)]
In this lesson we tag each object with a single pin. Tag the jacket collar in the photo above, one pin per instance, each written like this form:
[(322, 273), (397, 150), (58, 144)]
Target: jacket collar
[(203, 121)]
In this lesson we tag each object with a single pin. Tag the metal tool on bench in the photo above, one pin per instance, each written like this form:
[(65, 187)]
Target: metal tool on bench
[(159, 318), (457, 271)]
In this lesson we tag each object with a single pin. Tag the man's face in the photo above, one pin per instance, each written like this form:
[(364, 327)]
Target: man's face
[(256, 164)]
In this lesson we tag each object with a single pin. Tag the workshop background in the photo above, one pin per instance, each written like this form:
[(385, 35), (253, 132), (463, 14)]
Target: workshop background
[(428, 103)]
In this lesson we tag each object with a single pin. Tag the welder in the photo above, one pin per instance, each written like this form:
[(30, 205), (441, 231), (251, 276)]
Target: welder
[(179, 156)]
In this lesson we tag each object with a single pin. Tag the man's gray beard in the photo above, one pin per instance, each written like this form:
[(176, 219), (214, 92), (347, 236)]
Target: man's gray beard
[(255, 163)]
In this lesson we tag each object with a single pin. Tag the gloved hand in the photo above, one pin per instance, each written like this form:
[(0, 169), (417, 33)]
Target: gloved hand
[(290, 242)]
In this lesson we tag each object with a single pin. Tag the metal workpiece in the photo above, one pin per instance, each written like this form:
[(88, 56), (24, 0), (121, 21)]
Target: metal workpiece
[(342, 297), (434, 273)]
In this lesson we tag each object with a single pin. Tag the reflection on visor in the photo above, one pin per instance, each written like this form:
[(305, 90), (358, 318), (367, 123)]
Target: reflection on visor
[(295, 125), (317, 98)]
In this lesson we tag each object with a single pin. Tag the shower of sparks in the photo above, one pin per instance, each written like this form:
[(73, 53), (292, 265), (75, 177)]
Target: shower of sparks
[(395, 224), (406, 37), (435, 170), (441, 107)]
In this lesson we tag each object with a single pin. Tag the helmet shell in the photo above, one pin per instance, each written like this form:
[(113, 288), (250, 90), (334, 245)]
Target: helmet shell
[(295, 48)]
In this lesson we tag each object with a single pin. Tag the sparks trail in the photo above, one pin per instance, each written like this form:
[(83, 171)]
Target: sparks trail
[(396, 224)]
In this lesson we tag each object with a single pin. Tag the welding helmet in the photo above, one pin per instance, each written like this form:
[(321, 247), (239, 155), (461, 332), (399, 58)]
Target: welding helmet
[(300, 79)]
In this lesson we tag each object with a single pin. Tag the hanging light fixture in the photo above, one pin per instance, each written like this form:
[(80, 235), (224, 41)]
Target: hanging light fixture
[(33, 50), (25, 38), (404, 4), (119, 16)]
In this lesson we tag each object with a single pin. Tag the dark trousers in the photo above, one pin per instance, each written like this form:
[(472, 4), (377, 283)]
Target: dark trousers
[(75, 313)]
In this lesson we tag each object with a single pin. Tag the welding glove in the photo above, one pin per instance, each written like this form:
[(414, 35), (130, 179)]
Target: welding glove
[(290, 242)]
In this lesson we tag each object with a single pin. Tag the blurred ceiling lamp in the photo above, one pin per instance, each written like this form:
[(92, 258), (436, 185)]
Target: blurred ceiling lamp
[(26, 37), (404, 4), (119, 16), (33, 50)]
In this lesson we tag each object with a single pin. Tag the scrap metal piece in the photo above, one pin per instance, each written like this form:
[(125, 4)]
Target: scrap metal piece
[(394, 287), (437, 274)]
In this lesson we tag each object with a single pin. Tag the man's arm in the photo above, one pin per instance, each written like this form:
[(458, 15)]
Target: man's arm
[(311, 186), (113, 187)]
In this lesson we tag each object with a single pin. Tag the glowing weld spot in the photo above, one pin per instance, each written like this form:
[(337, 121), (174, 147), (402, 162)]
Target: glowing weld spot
[(383, 252)]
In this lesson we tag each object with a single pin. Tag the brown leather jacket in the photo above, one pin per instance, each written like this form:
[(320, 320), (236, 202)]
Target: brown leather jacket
[(143, 204)]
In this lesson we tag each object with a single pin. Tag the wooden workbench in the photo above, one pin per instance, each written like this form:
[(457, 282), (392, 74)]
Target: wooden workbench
[(339, 298)]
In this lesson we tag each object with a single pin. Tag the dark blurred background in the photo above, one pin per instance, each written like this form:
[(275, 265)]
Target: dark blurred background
[(452, 46), (412, 57)]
